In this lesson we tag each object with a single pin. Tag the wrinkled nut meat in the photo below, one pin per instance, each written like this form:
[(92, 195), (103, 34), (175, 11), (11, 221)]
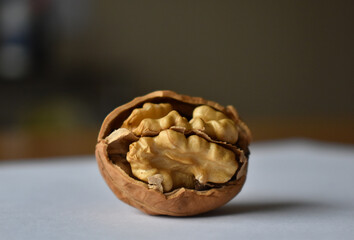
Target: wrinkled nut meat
[(171, 154)]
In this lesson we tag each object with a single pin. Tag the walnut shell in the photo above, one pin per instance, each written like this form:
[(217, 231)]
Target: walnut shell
[(181, 201)]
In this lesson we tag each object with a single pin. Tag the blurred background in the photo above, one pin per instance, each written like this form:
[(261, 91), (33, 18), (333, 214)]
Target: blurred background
[(287, 66)]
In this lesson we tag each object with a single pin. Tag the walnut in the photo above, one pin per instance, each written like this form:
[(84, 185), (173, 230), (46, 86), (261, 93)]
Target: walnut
[(180, 160), (151, 126), (147, 111), (215, 124), (172, 154)]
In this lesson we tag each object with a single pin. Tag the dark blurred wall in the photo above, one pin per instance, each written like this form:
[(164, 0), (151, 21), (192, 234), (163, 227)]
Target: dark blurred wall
[(266, 57), (285, 65)]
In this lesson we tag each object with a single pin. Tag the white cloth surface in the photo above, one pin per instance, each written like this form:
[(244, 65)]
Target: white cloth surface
[(295, 189)]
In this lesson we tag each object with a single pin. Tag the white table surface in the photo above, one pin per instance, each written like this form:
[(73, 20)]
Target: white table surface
[(296, 189)]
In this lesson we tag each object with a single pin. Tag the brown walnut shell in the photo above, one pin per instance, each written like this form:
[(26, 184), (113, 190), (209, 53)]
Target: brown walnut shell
[(181, 201)]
